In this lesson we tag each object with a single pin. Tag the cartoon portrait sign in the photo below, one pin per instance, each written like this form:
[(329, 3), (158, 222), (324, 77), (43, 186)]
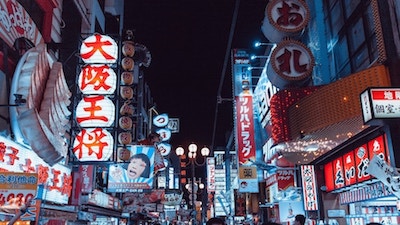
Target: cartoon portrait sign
[(134, 175)]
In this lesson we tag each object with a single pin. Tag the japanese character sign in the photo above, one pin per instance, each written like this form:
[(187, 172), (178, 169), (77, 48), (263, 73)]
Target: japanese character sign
[(245, 128), (380, 103), (288, 15), (97, 79), (309, 187), (93, 145), (57, 179), (95, 111), (292, 60), (99, 49)]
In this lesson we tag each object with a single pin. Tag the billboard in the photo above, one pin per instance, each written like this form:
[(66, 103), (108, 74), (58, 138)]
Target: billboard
[(135, 175)]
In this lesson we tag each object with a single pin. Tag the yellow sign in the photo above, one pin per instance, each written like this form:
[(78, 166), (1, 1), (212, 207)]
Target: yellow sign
[(16, 189)]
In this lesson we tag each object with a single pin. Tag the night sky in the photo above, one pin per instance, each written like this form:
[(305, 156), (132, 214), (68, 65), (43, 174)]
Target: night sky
[(188, 41)]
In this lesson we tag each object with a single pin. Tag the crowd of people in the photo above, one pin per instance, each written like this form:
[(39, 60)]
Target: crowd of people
[(298, 220)]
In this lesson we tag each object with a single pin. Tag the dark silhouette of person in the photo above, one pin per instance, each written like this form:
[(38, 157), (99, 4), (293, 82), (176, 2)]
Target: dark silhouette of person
[(215, 221), (270, 223), (299, 219)]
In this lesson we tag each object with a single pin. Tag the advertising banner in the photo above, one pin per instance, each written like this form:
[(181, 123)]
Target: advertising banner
[(248, 181), (17, 189), (137, 174), (57, 179), (142, 202), (245, 129), (309, 184), (210, 174)]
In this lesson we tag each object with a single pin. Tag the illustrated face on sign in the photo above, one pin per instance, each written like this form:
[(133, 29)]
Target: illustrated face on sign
[(139, 166)]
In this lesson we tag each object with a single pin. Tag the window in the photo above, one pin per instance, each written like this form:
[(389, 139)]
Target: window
[(351, 23)]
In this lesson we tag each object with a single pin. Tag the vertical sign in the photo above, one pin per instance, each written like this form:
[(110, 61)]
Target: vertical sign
[(210, 174), (309, 187), (96, 80), (245, 128)]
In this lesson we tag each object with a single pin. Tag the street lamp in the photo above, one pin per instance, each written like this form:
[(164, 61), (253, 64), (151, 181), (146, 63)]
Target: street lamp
[(192, 155), (255, 68), (258, 44), (253, 57)]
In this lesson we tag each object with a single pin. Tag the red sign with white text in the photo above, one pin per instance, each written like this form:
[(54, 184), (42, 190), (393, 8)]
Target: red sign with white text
[(377, 147), (285, 178), (349, 168), (362, 161), (338, 173), (354, 164), (245, 128)]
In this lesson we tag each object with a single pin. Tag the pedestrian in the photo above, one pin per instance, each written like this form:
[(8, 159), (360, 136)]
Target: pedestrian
[(299, 219), (270, 223), (215, 221)]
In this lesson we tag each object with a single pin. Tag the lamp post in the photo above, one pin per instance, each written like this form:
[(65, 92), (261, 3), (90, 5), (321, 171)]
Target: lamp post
[(192, 154)]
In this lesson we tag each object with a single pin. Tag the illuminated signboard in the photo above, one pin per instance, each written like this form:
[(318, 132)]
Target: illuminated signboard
[(97, 79), (56, 179), (309, 187), (351, 168), (210, 174), (245, 129), (17, 189), (99, 49), (380, 103), (94, 144), (137, 174), (95, 111)]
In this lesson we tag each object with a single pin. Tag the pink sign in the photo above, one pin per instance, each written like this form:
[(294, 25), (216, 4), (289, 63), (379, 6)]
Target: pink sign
[(245, 128)]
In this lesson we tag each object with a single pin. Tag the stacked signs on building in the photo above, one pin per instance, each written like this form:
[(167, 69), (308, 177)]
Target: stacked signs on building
[(95, 112), (291, 62), (127, 100), (161, 123), (56, 180), (355, 167), (244, 122), (380, 104)]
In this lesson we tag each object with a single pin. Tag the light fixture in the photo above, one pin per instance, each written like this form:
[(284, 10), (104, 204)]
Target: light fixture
[(255, 68), (253, 57), (258, 44), (192, 184)]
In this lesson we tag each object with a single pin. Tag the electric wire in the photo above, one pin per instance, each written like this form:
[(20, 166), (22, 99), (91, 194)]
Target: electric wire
[(225, 65)]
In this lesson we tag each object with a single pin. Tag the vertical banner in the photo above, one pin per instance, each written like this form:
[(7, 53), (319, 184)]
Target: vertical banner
[(210, 174), (245, 129), (309, 187)]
